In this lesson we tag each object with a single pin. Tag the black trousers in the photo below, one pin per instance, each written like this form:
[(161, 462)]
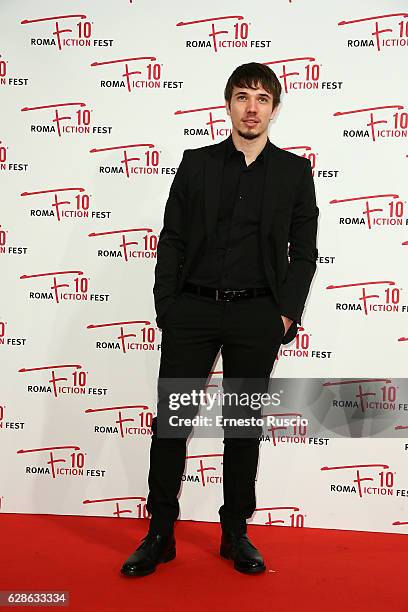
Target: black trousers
[(249, 333)]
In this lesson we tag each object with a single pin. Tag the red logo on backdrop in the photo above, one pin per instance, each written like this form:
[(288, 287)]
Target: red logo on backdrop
[(9, 341), (139, 511), (302, 347), (148, 248), (387, 300), (146, 336), (382, 481), (311, 155), (9, 166), (292, 517), (217, 385), (9, 425), (3, 71), (3, 240), (304, 69), (150, 76), (149, 160), (80, 201), (295, 435), (2, 332), (3, 156), (399, 523), (78, 290), (75, 461), (390, 30), (78, 35), (206, 131), (80, 124), (4, 80), (304, 151), (394, 123), (75, 384), (366, 397), (206, 463), (235, 28), (405, 243), (7, 248), (144, 425), (390, 214)]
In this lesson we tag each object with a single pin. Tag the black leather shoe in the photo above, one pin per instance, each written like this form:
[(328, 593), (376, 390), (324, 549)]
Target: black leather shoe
[(246, 557), (154, 549)]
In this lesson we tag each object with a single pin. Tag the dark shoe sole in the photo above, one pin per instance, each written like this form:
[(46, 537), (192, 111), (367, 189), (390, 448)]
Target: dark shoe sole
[(252, 570), (225, 553), (169, 557)]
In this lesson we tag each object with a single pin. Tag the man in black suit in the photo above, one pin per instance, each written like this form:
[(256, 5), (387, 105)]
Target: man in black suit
[(226, 280)]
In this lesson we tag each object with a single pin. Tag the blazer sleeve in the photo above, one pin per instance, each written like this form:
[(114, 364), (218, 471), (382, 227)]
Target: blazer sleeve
[(302, 252), (172, 240)]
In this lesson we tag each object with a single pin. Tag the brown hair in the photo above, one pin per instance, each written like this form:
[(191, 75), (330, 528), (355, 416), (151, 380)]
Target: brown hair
[(253, 75)]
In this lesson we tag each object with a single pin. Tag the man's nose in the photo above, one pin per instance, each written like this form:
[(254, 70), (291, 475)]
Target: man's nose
[(251, 106)]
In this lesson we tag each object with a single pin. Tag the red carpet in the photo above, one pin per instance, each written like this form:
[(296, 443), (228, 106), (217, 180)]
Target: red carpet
[(307, 569)]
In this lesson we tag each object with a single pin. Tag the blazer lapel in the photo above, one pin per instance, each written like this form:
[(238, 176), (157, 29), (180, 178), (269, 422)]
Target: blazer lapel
[(214, 166), (273, 186), (273, 191)]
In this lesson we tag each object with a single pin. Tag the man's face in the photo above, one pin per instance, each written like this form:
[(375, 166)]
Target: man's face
[(250, 111)]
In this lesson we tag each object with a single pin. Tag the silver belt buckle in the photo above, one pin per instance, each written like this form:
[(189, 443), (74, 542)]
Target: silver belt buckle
[(224, 293)]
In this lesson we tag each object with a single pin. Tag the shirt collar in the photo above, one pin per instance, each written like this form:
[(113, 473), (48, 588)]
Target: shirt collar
[(231, 149)]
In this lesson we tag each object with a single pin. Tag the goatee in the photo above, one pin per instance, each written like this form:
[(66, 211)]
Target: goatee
[(248, 135)]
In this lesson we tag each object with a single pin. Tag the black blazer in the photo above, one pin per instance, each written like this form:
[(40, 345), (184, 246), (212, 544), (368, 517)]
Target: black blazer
[(288, 216)]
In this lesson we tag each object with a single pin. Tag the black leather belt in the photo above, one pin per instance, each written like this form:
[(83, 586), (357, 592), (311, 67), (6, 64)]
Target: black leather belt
[(226, 295)]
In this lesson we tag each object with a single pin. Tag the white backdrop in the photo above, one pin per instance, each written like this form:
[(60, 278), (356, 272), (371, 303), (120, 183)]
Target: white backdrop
[(98, 102)]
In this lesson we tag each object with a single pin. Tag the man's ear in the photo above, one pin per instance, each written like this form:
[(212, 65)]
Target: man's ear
[(227, 107)]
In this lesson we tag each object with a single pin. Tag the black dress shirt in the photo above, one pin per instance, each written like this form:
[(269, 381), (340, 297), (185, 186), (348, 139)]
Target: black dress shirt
[(233, 259)]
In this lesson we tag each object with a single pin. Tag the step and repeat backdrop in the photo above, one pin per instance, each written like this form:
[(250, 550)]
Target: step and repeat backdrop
[(98, 102)]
